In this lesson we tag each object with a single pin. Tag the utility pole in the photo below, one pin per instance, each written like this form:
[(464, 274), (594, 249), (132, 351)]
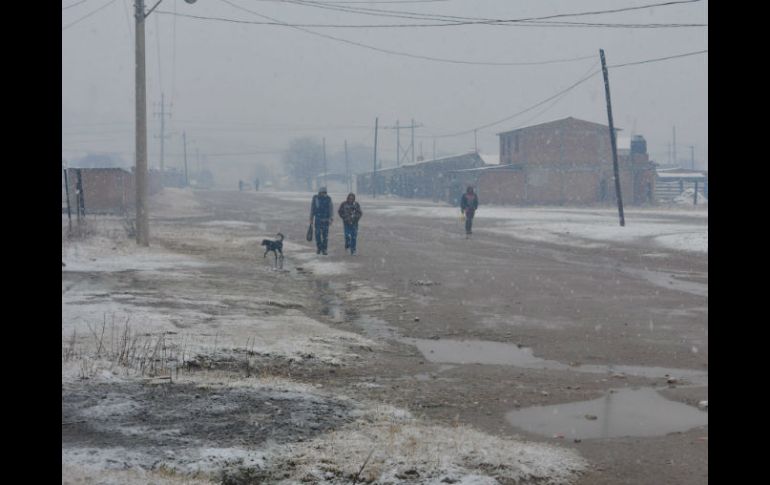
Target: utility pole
[(673, 147), (140, 172), (412, 140), (162, 136), (613, 141), (398, 145), (67, 194), (324, 140), (347, 169), (140, 169), (434, 148), (476, 140), (184, 141), (692, 157), (198, 160), (374, 172)]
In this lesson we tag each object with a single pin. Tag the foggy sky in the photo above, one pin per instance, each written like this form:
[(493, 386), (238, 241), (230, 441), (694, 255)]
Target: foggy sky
[(242, 92)]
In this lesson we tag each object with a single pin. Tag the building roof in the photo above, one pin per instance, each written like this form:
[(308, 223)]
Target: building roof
[(568, 119), (472, 156), (680, 174), (497, 168)]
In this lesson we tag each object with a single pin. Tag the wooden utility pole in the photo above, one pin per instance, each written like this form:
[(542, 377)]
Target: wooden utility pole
[(613, 141), (398, 145), (67, 194), (347, 169), (412, 140), (374, 172), (692, 157), (140, 172), (184, 141), (198, 163), (324, 143), (673, 148), (162, 136), (476, 140), (81, 199)]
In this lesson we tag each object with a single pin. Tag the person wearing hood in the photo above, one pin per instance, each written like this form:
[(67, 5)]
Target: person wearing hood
[(321, 215), (469, 202), (350, 213)]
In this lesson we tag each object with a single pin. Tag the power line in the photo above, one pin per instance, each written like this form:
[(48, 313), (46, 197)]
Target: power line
[(569, 88), (88, 15), (371, 47), (74, 4), (423, 16), (660, 59), (566, 90), (445, 24), (395, 1)]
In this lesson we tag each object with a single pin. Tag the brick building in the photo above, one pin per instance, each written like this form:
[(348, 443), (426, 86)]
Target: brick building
[(563, 162), (106, 190)]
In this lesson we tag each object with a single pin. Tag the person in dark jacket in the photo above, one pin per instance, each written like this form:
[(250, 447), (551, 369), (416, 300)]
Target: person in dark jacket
[(321, 215), (350, 213), (468, 205)]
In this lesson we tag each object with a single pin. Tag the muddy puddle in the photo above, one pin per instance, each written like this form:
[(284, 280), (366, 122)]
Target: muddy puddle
[(497, 353), (622, 412)]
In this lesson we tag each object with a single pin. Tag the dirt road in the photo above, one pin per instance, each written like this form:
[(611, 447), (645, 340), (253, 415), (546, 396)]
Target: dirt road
[(495, 332)]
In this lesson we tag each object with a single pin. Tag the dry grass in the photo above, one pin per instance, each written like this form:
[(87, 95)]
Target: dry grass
[(148, 355)]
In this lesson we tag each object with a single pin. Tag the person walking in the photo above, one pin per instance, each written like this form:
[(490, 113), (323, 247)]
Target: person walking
[(350, 213), (468, 205), (321, 216)]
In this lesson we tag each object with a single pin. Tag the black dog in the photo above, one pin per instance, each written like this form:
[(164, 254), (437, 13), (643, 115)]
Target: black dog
[(276, 247)]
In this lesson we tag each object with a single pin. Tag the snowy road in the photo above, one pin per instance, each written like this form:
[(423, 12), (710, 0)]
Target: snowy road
[(541, 308)]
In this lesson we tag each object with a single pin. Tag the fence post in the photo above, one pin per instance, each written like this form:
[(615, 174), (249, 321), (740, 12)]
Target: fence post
[(67, 194), (81, 195)]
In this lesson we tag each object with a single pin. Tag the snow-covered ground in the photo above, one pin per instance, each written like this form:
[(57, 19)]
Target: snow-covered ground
[(162, 306), (678, 228)]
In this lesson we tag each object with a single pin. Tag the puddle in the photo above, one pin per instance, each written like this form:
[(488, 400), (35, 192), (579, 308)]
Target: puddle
[(497, 353), (624, 412)]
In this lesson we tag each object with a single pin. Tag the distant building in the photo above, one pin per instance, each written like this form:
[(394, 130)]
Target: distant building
[(672, 182), (568, 161), (106, 190), (428, 179)]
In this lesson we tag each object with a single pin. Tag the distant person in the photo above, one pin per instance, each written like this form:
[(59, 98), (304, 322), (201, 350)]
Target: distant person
[(350, 213), (321, 215), (256, 184), (240, 185), (469, 202)]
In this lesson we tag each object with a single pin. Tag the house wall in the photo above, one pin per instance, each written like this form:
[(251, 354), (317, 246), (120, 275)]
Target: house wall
[(568, 143), (108, 190), (570, 162)]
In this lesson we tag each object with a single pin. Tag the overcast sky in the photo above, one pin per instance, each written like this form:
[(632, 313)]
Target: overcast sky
[(242, 91)]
